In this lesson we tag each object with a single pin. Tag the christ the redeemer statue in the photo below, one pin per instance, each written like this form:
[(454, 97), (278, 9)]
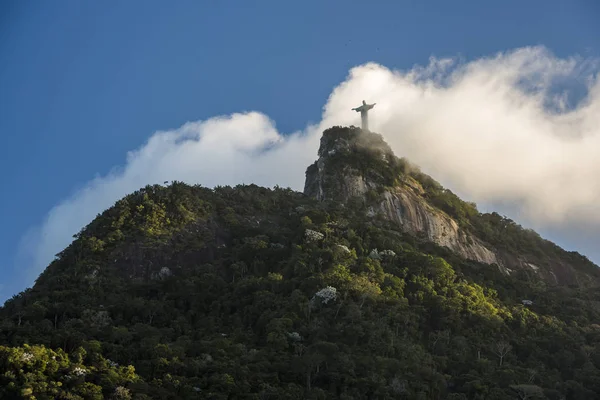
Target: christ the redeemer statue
[(364, 114)]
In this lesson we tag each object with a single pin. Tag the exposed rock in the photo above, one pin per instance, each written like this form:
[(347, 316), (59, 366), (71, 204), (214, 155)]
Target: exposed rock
[(402, 203), (416, 216), (359, 167)]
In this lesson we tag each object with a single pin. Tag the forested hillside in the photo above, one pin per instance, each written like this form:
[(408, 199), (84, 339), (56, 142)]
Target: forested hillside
[(184, 292)]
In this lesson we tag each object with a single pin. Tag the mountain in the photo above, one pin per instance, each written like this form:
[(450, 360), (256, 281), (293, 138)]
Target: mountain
[(375, 283), (355, 165)]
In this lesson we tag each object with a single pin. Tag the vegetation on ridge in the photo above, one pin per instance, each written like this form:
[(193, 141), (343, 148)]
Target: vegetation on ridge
[(222, 295), (183, 292)]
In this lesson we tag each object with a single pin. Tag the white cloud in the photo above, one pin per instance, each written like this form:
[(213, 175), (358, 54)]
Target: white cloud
[(488, 129)]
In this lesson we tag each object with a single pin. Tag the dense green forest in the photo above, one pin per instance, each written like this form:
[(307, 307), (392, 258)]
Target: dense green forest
[(185, 292)]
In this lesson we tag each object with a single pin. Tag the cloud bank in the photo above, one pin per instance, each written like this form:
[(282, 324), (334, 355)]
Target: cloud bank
[(519, 128)]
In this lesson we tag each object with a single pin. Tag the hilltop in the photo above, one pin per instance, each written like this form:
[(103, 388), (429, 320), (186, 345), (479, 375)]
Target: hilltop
[(359, 166), (374, 283)]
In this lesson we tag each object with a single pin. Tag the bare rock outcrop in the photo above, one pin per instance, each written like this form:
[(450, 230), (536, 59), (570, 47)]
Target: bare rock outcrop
[(402, 205), (332, 177), (355, 165)]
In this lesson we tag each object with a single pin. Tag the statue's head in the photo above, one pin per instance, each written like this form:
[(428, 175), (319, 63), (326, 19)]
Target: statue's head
[(364, 103)]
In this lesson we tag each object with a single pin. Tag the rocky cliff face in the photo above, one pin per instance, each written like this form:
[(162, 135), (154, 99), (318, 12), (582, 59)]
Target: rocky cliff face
[(333, 177), (354, 165)]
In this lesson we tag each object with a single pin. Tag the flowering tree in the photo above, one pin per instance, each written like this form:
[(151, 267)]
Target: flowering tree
[(313, 236), (325, 295)]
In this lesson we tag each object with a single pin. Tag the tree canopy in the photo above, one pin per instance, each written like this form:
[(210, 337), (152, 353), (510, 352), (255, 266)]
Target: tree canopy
[(184, 292)]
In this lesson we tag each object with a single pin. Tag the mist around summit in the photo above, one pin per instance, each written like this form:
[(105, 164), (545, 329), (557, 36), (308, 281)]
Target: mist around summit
[(511, 130)]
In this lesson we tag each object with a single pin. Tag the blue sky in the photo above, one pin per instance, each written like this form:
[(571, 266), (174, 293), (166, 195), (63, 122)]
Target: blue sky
[(83, 83)]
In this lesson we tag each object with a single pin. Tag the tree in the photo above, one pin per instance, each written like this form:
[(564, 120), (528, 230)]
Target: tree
[(248, 297), (365, 289), (527, 391), (501, 348)]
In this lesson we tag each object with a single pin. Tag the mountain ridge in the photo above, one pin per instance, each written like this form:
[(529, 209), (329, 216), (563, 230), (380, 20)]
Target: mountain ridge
[(185, 292)]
